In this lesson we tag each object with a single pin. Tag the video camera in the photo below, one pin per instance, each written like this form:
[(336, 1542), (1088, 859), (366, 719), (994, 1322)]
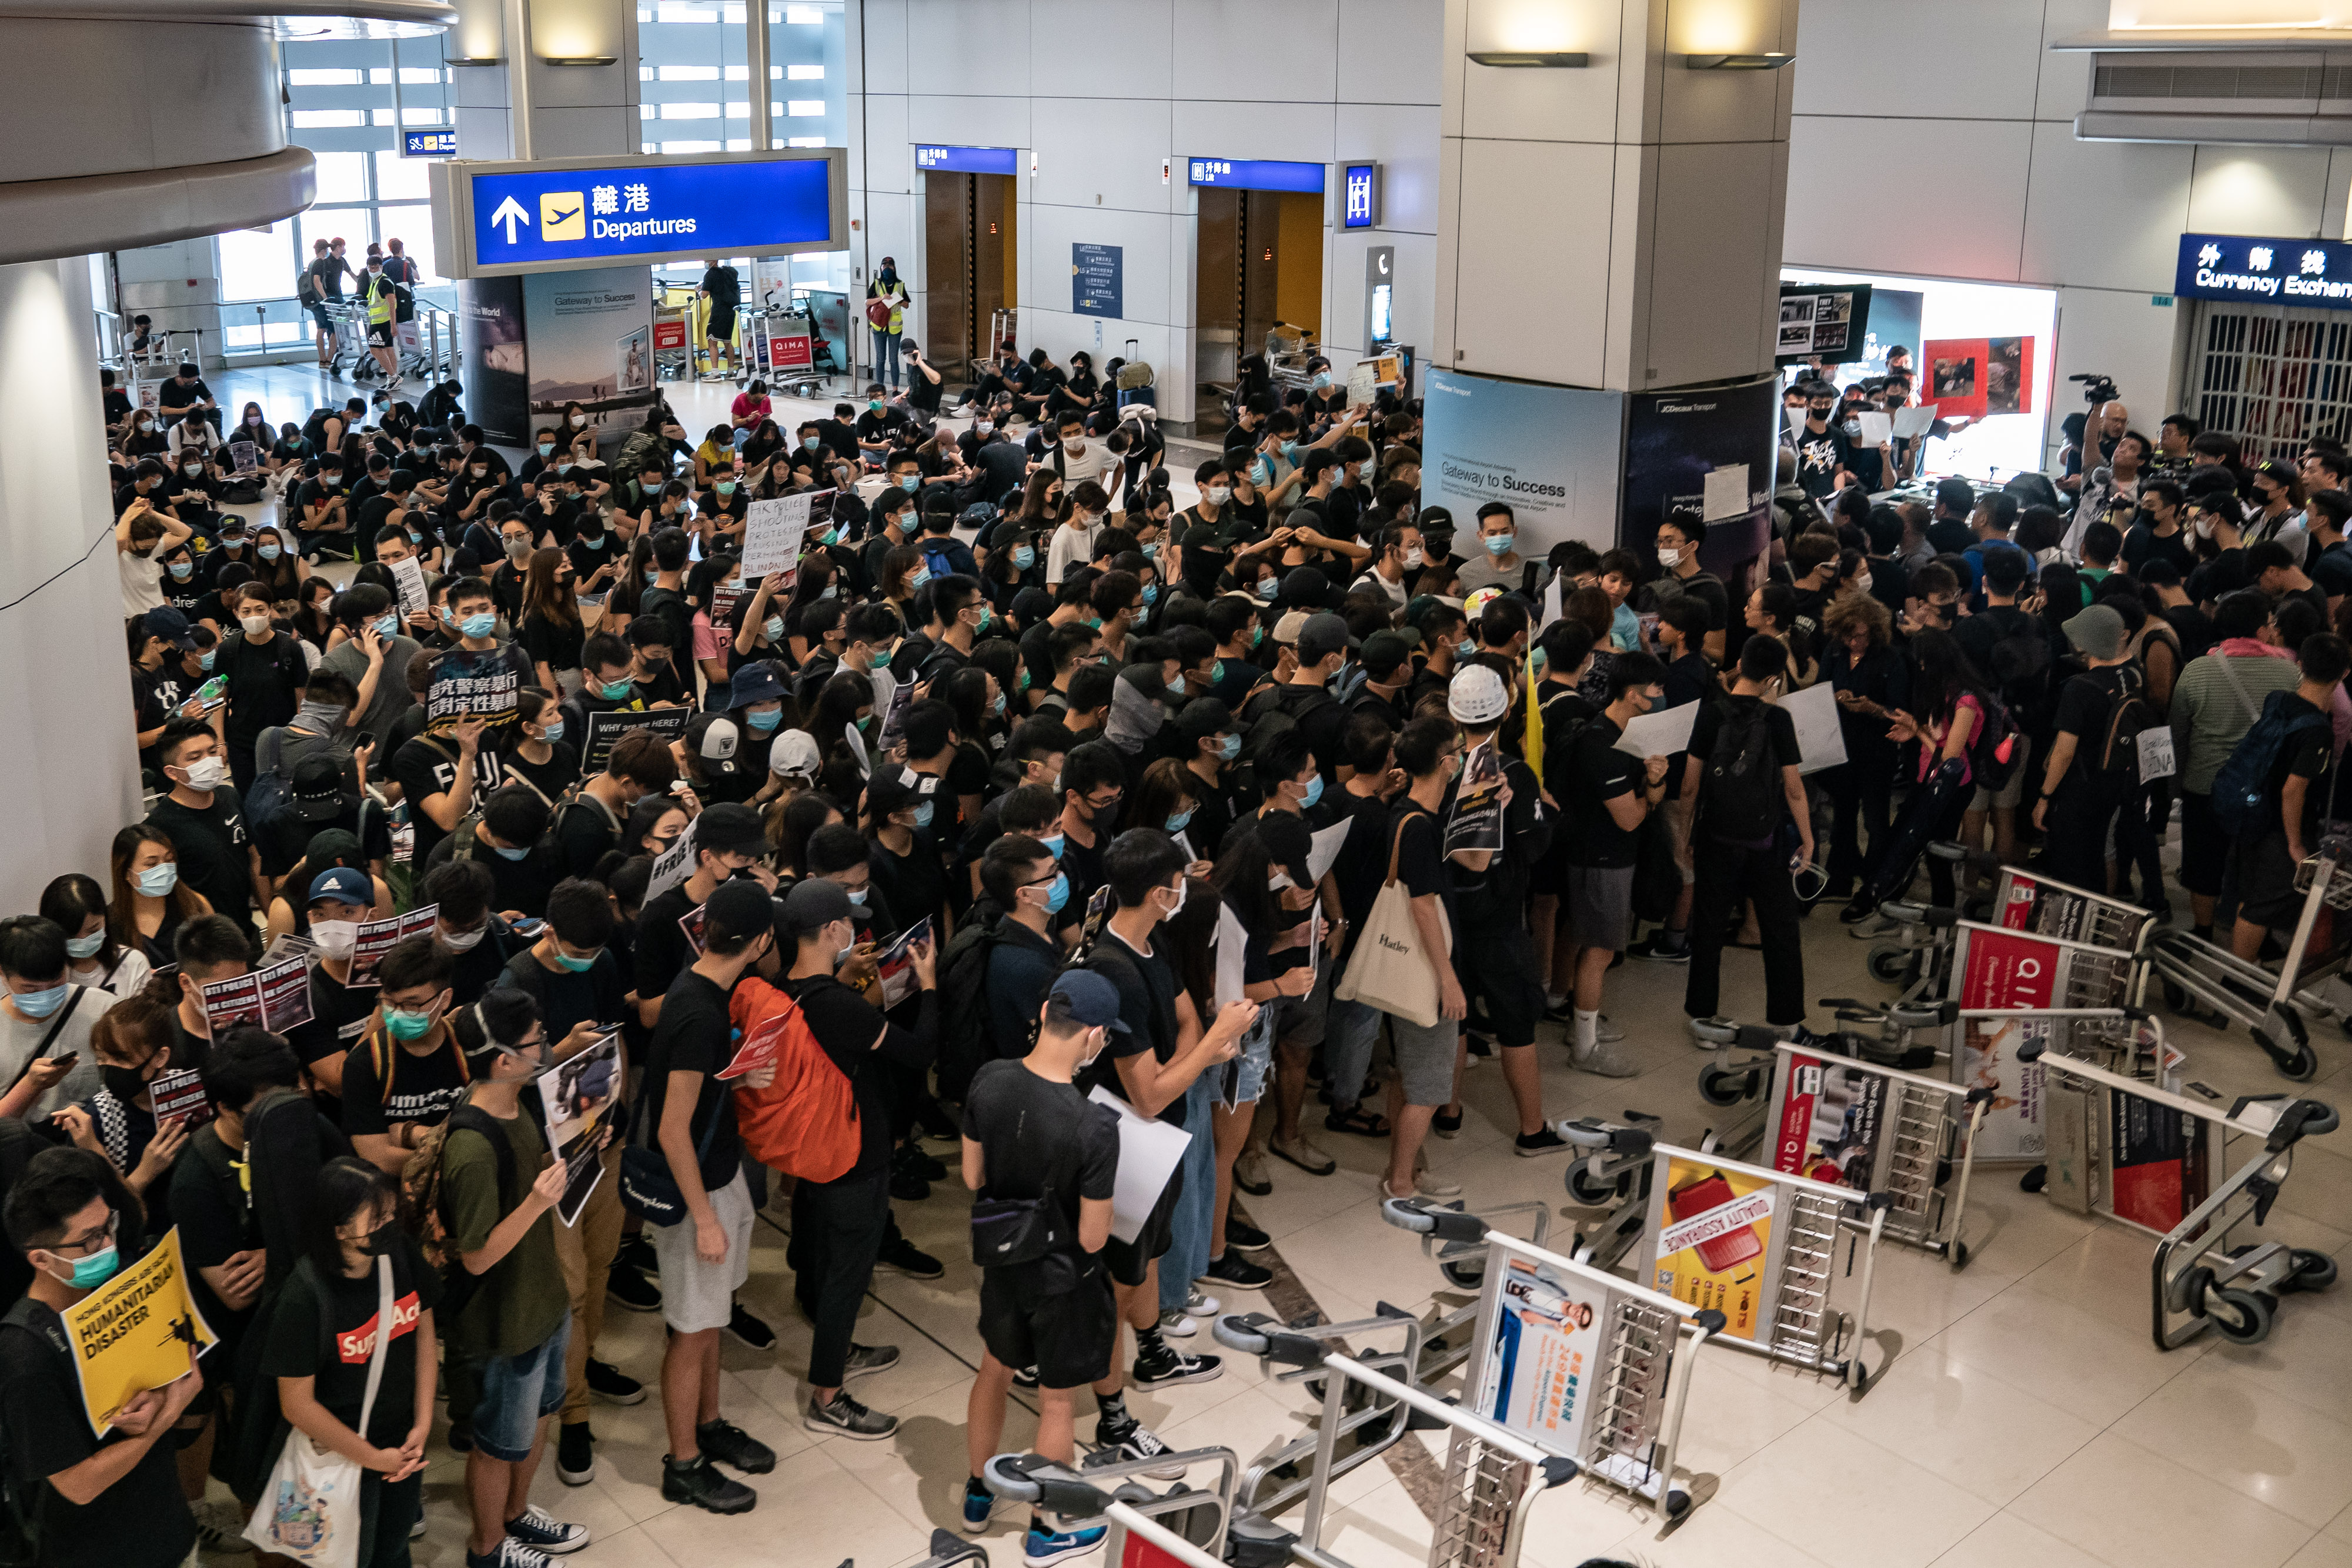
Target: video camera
[(2097, 389)]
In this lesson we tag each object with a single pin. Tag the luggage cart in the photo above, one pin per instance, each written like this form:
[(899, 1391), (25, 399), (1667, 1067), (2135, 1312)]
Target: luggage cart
[(781, 345), (1188, 1526), (1917, 954), (2270, 1005), (2147, 1156), (351, 359), (945, 1552), (1586, 1367), (673, 324), (1610, 1172), (1493, 1475)]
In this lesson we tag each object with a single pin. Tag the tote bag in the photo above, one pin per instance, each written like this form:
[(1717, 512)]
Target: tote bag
[(309, 1511), (1389, 970)]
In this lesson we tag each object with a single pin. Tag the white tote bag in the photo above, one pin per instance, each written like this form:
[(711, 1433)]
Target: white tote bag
[(1388, 970), (310, 1508)]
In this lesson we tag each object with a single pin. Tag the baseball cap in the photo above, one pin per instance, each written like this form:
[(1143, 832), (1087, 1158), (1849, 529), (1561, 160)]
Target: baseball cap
[(1085, 998), (755, 682), (1384, 651), (315, 793), (714, 738), (344, 886), (1477, 695), (170, 625), (729, 828), (894, 790), (1287, 629), (739, 907), (814, 904), (794, 752), (2097, 632), (1323, 635)]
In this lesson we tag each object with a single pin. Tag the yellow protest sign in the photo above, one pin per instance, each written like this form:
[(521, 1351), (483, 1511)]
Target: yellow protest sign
[(136, 1332)]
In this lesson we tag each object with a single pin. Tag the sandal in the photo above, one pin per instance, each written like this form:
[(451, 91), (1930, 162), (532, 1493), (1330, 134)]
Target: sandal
[(1304, 1157), (1356, 1119)]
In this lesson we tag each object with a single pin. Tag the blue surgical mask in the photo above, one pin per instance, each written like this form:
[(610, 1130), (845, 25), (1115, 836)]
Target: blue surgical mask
[(1501, 544), (1054, 845), (204, 660), (1024, 558), (1260, 472), (764, 720), (910, 482), (653, 575), (507, 854), (388, 624), (1150, 594), (1059, 894), (1176, 687), (618, 691), (480, 625), (546, 448), (857, 894), (42, 1003), (725, 487), (554, 729), (881, 658), (577, 965), (1176, 823), (1290, 451), (830, 593), (1229, 747), (1466, 649), (923, 815), (1267, 588), (809, 443), (409, 1023), (85, 946), (1321, 380), (916, 578), (181, 570), (996, 703), (774, 628), (266, 552), (1151, 549), (157, 880), (1314, 793), (96, 1270)]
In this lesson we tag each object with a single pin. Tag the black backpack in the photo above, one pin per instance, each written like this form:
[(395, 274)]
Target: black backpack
[(24, 1505), (2021, 662), (1272, 710), (2116, 760), (964, 1039), (1740, 798)]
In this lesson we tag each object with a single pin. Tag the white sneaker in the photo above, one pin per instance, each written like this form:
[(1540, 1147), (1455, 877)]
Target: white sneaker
[(1429, 1183), (1176, 1324), (1604, 1031), (1604, 1061), (1200, 1304)]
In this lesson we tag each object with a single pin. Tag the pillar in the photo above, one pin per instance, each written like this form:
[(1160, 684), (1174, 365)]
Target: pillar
[(1611, 214), (74, 773), (573, 72)]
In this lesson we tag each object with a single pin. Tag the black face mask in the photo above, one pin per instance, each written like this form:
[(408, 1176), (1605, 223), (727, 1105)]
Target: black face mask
[(125, 1083), (379, 1242)]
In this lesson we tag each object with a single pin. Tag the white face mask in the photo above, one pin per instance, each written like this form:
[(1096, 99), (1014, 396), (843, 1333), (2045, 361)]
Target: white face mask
[(1413, 558), (208, 773), (461, 941), (335, 939), (255, 625), (1220, 494), (578, 420), (1668, 555), (2204, 527), (1178, 907), (1862, 581)]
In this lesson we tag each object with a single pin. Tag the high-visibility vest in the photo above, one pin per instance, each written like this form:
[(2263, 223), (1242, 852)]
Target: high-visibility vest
[(379, 297)]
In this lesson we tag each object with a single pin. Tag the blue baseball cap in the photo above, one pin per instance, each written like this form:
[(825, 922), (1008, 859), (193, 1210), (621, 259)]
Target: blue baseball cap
[(343, 885), (755, 682), (1087, 999)]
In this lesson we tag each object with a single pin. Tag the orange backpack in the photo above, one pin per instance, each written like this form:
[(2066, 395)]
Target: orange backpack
[(804, 1123)]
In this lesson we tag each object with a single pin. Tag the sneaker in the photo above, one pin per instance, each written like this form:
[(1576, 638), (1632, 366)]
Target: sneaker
[(751, 1330), (508, 1553), (1604, 1031), (220, 1526), (1857, 909), (910, 1159), (1429, 1183), (1170, 1368), (1249, 1174), (1134, 1440), (1443, 1125), (1246, 1237), (1872, 930), (1200, 1304), (416, 1531), (1665, 947), (1026, 1377), (903, 1257), (1237, 1273), (847, 1418), (542, 1531), (613, 1385), (866, 1358), (575, 1454), (1546, 1141), (1559, 1009), (1602, 1061), (979, 1503), (627, 1287), (906, 1186), (1176, 1322), (1042, 1547), (700, 1484), (729, 1445), (637, 1253)]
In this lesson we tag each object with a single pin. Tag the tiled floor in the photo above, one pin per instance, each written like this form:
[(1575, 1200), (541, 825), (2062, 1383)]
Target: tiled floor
[(2025, 1421)]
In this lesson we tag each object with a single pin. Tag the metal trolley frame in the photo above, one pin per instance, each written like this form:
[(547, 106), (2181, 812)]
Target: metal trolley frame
[(1201, 1519), (2270, 1005), (2197, 1279), (1918, 954)]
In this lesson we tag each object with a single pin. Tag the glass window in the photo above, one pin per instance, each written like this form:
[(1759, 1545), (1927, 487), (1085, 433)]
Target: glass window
[(324, 78), (343, 177), (354, 226), (398, 178), (412, 225), (805, 108), (326, 119), (804, 73), (257, 264)]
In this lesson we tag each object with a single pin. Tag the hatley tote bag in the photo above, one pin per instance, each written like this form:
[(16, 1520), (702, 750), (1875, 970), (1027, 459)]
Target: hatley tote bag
[(1389, 970)]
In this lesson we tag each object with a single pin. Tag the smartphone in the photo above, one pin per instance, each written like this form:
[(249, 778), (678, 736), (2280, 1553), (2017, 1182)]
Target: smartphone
[(70, 1058), (527, 927)]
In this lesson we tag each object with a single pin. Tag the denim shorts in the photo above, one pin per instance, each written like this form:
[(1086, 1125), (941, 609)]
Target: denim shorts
[(1256, 1059), (517, 1392)]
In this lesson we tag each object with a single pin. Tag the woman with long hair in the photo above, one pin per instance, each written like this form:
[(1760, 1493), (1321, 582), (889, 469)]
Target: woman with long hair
[(790, 824), (1772, 612), (149, 902), (1164, 800), (654, 822), (1950, 705), (711, 634), (1872, 681), (133, 1043), (845, 702), (313, 621), (537, 754), (550, 631), (95, 957), (277, 567), (2277, 509), (1041, 502), (896, 582), (979, 705)]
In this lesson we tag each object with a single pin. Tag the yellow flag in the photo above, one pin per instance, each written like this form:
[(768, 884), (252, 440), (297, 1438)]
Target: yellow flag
[(135, 1332), (1534, 744)]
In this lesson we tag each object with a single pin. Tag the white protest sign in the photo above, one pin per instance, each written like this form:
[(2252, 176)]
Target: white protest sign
[(676, 862), (1724, 493), (1660, 733), (773, 530), (1820, 738)]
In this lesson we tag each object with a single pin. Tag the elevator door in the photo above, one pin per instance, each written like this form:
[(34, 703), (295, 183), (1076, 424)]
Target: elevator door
[(968, 234)]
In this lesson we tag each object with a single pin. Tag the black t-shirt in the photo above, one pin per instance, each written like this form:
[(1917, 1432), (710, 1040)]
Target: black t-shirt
[(694, 1035), (2308, 756), (1036, 1136), (566, 999), (519, 884), (424, 1088), (2218, 577), (215, 1214), (1599, 773), (2085, 703), (214, 853), (2143, 544), (1818, 457), (1779, 729), (914, 883), (264, 679), (2194, 627), (428, 766), (1147, 1006), (661, 947), (139, 1522), (550, 777), (1420, 849), (325, 1329), (338, 1014), (2331, 569)]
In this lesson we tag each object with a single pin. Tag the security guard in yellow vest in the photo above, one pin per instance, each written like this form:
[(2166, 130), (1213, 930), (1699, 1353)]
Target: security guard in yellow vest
[(379, 296)]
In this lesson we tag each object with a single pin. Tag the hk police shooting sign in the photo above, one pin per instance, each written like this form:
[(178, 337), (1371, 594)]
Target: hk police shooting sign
[(2284, 271), (559, 214)]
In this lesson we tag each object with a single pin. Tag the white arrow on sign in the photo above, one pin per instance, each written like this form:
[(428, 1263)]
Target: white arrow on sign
[(508, 213)]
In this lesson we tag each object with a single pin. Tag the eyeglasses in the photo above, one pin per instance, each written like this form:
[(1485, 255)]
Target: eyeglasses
[(96, 1241), (1107, 804)]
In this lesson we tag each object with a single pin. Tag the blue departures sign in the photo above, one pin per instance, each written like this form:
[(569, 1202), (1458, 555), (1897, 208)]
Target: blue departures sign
[(966, 160), (556, 215), (428, 144), (1255, 174), (2265, 271)]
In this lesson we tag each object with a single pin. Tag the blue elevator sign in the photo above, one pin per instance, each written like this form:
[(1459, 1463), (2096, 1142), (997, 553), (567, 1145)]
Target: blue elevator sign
[(1360, 185), (566, 214), (966, 160), (1255, 174)]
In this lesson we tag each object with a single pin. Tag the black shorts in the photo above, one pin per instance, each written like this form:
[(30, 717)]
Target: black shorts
[(722, 324), (1068, 1335), (380, 333), (1130, 1261), (2204, 847), (2266, 893), (1499, 966)]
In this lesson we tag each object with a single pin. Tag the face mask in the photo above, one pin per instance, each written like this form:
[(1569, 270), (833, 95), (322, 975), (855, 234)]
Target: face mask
[(336, 938), (1178, 907), (253, 419), (335, 481), (146, 427), (41, 1004), (1229, 747), (478, 625), (266, 552), (191, 468), (1261, 471), (1466, 649), (1151, 549), (513, 854), (1054, 843), (910, 482), (1024, 558), (578, 420), (809, 443), (1150, 594), (461, 941), (232, 546), (388, 625), (1412, 559), (85, 946), (2204, 527), (1861, 580), (874, 405), (125, 1083), (410, 1023), (1176, 823), (1267, 588), (1290, 450), (881, 658), (255, 625), (96, 1270), (1220, 494), (1176, 687), (1314, 793), (857, 894), (618, 691), (181, 570), (1501, 544), (653, 575), (1853, 428), (725, 487), (765, 721), (546, 448), (1059, 894), (207, 774), (158, 879), (204, 660)]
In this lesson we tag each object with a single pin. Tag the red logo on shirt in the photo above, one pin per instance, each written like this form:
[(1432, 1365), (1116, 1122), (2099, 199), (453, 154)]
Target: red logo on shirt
[(357, 1346)]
